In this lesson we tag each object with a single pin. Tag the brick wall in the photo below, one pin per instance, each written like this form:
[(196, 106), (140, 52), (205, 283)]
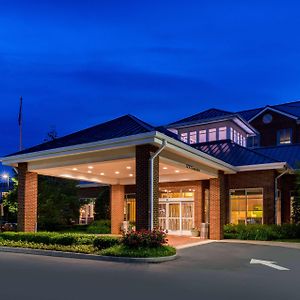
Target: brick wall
[(217, 190), (117, 208), (27, 199), (256, 179)]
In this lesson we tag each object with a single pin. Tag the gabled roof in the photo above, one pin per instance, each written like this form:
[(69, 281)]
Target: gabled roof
[(291, 109), (288, 153), (234, 154), (126, 125), (209, 114)]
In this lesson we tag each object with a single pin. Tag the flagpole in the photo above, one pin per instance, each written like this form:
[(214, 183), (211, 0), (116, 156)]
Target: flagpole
[(20, 124)]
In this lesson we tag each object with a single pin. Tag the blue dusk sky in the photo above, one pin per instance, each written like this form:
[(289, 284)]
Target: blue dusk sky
[(79, 63)]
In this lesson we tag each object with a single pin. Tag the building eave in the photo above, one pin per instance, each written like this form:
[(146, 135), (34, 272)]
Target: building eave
[(267, 166)]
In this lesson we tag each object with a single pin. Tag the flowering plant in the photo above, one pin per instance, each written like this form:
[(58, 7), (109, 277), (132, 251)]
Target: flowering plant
[(144, 238)]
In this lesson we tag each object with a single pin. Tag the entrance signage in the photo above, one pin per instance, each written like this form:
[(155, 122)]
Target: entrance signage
[(192, 168)]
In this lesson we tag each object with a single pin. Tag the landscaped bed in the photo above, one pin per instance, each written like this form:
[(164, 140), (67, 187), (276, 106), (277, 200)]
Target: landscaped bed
[(285, 232), (134, 244)]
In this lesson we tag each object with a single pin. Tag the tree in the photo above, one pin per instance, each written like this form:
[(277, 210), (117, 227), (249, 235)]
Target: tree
[(51, 135), (296, 201), (10, 203), (58, 203), (102, 205)]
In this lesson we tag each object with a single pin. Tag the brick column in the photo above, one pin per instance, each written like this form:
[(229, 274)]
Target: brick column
[(143, 154), (27, 199), (117, 208), (217, 207)]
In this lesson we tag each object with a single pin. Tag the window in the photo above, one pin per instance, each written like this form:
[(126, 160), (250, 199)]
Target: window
[(202, 136), (184, 137), (244, 141), (235, 136), (284, 136), (246, 206), (212, 134), (222, 133), (231, 134), (253, 141), (193, 137)]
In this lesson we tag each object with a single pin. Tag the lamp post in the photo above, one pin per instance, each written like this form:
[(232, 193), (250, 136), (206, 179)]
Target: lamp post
[(6, 177)]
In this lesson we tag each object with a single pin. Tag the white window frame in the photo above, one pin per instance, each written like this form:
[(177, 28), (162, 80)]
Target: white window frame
[(212, 131)]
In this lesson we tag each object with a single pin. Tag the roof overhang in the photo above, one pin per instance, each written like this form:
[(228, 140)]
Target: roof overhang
[(260, 167), (118, 148)]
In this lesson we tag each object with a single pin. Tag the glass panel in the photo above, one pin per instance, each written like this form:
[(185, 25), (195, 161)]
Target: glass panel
[(202, 136), (174, 210), (162, 212), (212, 134), (184, 137), (222, 133), (186, 210), (174, 224), (255, 206), (238, 207), (193, 137), (174, 216), (187, 224)]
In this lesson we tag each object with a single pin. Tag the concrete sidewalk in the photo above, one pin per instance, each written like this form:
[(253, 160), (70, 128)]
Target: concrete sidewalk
[(264, 243)]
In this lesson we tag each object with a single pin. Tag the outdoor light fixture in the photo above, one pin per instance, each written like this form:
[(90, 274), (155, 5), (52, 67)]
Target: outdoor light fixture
[(165, 168), (5, 176), (130, 175), (90, 167), (90, 172), (176, 171), (117, 172), (128, 167), (75, 169), (101, 174)]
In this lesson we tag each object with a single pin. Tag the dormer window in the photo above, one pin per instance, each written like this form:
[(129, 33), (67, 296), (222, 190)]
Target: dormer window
[(212, 134), (202, 136), (222, 133), (184, 137), (193, 137)]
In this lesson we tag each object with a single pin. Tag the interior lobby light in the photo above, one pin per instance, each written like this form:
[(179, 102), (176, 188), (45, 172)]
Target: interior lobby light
[(102, 174), (117, 172), (90, 167), (165, 168), (90, 172), (177, 171), (75, 169), (130, 175), (128, 168)]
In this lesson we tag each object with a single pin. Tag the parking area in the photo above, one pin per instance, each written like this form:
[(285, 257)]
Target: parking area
[(211, 271)]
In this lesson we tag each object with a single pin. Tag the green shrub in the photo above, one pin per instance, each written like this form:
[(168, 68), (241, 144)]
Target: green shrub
[(262, 232), (49, 238), (144, 238), (123, 251), (99, 227), (105, 242)]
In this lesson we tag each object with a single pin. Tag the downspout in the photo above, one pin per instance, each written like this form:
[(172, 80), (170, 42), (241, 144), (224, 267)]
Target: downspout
[(276, 193), (151, 160)]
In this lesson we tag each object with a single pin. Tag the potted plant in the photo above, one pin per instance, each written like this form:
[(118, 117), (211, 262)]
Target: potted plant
[(195, 232)]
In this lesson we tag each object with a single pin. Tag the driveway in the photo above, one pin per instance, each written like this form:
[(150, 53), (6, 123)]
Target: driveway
[(211, 271)]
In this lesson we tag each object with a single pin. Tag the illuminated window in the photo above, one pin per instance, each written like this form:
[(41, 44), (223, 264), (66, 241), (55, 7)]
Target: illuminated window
[(231, 134), (246, 206), (212, 134), (202, 136), (284, 136), (193, 137), (222, 133), (184, 137)]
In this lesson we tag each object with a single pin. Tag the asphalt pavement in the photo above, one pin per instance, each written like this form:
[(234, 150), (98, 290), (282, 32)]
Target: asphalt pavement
[(211, 271)]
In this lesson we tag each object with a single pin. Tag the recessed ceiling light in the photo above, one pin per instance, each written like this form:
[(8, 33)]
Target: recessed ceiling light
[(128, 168), (130, 175), (90, 172), (75, 169), (101, 174), (165, 168), (90, 167), (117, 172), (177, 171)]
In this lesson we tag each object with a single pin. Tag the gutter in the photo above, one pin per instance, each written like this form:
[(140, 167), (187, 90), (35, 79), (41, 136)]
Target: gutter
[(151, 161), (276, 198)]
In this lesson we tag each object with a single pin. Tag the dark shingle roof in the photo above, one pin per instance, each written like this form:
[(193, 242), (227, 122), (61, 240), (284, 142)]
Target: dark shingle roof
[(233, 153), (209, 114), (249, 114), (123, 126), (288, 153)]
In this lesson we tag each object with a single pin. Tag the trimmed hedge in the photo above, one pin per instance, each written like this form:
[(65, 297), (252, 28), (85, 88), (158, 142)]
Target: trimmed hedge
[(262, 232), (105, 242), (49, 238)]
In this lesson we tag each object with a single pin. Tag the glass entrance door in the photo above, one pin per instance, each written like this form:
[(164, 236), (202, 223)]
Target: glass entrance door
[(176, 217)]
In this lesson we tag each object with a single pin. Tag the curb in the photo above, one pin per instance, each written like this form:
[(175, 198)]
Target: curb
[(194, 244), (263, 243), (75, 255)]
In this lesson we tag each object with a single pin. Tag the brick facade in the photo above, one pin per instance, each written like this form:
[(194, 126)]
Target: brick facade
[(117, 208), (257, 179), (27, 199), (217, 190), (143, 154)]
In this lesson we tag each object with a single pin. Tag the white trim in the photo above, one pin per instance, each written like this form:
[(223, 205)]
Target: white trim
[(274, 110), (269, 166)]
